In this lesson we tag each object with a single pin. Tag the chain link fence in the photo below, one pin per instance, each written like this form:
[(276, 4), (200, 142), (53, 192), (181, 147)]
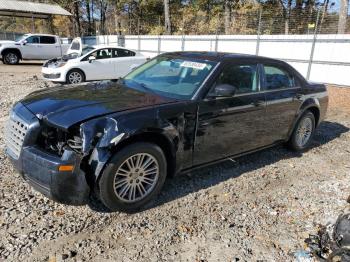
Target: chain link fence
[(9, 35), (244, 22)]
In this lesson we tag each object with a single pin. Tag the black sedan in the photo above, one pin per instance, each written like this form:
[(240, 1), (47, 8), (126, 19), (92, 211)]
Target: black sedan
[(179, 111)]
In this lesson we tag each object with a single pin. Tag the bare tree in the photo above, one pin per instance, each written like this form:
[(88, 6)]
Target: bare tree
[(89, 16), (227, 16), (77, 18), (343, 13), (103, 10), (167, 23), (286, 7)]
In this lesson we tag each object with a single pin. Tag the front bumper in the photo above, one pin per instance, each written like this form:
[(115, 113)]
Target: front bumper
[(53, 74), (40, 168), (41, 171)]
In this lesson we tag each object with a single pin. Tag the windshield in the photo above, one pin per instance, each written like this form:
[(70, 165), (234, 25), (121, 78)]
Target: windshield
[(86, 50), (170, 76), (20, 38)]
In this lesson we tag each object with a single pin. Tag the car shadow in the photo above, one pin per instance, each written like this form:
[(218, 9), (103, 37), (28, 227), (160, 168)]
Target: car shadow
[(31, 63), (25, 63), (206, 177)]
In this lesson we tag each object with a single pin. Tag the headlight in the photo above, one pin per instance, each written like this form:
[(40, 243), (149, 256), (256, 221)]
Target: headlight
[(61, 64)]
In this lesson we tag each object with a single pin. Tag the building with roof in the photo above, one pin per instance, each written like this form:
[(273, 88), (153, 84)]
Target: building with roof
[(16, 8), (13, 9)]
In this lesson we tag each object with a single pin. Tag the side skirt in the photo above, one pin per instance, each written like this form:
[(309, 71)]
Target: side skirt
[(229, 158)]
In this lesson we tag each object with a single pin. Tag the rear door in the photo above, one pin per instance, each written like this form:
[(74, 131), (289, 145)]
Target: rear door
[(123, 61), (231, 125), (101, 68), (283, 97), (49, 47)]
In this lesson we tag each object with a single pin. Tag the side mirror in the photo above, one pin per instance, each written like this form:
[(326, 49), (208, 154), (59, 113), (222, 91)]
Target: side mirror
[(223, 90), (24, 42), (91, 58)]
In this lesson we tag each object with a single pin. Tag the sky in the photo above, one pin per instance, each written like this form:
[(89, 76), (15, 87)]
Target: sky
[(336, 6)]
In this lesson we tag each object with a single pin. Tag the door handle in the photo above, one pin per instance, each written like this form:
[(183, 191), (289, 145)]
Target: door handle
[(258, 103), (204, 124)]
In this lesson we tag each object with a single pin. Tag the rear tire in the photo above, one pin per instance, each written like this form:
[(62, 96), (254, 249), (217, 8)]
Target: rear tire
[(303, 132), (75, 76), (134, 176), (11, 58)]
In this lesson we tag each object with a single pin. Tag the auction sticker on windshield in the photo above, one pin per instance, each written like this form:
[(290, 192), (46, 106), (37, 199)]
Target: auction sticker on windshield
[(194, 65)]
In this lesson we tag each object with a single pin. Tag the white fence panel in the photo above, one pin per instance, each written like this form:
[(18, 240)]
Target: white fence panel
[(170, 43), (331, 53), (288, 47)]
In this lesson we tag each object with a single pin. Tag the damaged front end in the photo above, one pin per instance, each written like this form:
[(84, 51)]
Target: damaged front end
[(98, 136), (60, 61), (90, 142)]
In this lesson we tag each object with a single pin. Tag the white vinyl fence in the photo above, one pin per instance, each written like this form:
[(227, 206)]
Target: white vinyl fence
[(321, 58)]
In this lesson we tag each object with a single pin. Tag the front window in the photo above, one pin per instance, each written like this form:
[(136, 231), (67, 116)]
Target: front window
[(244, 77), (33, 40), (102, 54), (170, 76)]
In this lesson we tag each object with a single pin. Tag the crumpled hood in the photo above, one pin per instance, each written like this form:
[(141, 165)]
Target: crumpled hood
[(66, 106)]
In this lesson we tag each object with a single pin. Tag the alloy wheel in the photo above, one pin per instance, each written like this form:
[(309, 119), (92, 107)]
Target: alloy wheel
[(304, 131), (75, 78), (11, 58), (136, 177)]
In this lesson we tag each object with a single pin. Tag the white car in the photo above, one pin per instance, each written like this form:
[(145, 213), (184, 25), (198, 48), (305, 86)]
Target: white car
[(91, 63)]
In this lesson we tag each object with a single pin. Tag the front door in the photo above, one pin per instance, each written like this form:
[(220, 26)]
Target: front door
[(231, 125), (30, 48), (101, 68)]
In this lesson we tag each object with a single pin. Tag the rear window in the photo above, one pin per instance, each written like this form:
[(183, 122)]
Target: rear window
[(47, 40), (122, 53), (277, 78)]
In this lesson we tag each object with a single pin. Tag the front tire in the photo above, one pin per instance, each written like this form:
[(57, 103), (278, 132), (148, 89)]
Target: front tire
[(11, 58), (75, 77), (134, 176), (303, 132)]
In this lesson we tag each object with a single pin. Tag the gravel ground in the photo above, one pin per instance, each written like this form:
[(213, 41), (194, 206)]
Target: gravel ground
[(261, 207)]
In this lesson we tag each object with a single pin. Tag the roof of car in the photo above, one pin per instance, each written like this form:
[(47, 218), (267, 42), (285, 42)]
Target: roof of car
[(216, 56), (29, 34), (109, 46)]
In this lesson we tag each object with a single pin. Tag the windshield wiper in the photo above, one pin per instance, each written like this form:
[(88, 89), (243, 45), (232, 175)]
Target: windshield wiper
[(140, 84)]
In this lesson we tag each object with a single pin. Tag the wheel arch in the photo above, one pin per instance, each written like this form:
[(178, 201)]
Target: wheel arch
[(309, 105), (16, 50), (99, 165), (156, 138)]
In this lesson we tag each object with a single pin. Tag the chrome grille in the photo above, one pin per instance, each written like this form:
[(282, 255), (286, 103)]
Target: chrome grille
[(15, 133)]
